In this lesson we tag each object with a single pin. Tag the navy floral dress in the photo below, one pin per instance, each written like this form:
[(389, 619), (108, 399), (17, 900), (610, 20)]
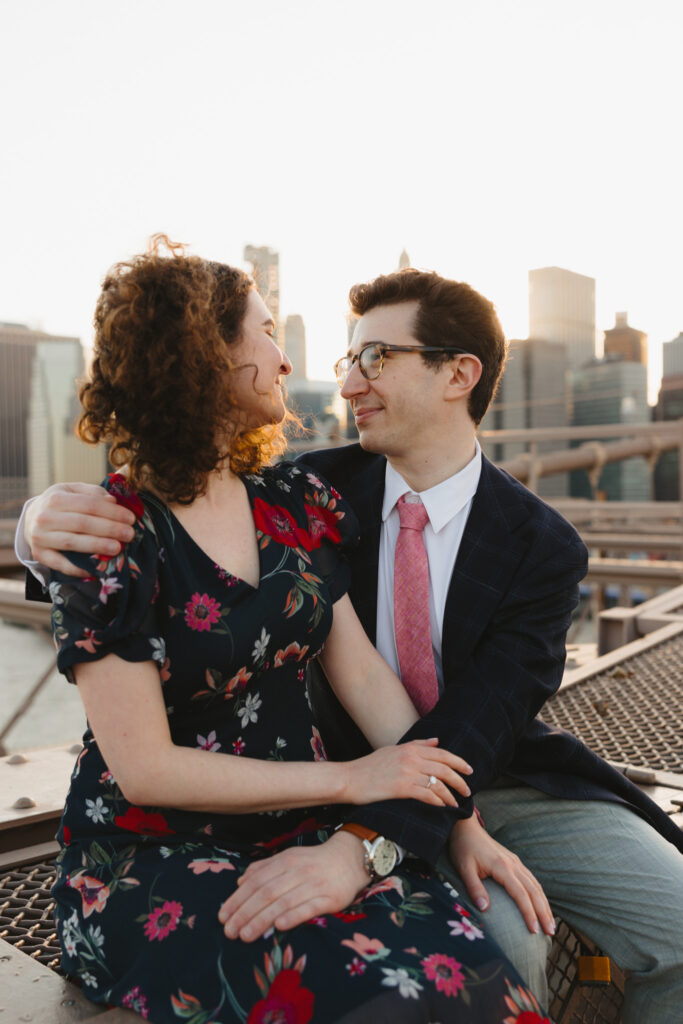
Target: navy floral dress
[(139, 888)]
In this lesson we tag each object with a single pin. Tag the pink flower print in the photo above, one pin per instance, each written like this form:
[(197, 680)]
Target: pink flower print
[(238, 746), (106, 776), (137, 1001), (208, 742), (94, 894), (225, 577), (165, 671), (89, 643), (317, 746), (314, 480), (463, 911), (369, 949), (466, 928), (212, 864), (356, 967), (108, 585), (202, 612), (320, 921), (162, 921), (445, 972)]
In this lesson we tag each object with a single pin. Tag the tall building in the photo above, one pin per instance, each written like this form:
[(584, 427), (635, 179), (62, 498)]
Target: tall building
[(38, 411), (611, 390), (562, 311), (295, 346), (670, 407), (265, 264), (625, 341), (672, 357), (531, 394), (403, 260)]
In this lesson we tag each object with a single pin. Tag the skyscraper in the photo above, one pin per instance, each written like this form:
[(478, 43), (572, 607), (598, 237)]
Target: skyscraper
[(562, 311), (625, 341), (38, 410), (532, 394), (670, 407), (611, 390), (265, 264), (295, 346)]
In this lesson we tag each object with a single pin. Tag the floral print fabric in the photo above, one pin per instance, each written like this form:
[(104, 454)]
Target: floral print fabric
[(139, 888)]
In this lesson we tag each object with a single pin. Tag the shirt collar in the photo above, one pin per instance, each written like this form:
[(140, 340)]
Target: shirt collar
[(444, 500)]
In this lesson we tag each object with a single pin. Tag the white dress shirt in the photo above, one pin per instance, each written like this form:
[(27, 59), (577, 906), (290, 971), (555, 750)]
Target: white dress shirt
[(448, 506)]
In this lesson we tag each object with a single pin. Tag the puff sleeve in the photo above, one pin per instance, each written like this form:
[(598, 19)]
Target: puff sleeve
[(331, 526), (112, 611)]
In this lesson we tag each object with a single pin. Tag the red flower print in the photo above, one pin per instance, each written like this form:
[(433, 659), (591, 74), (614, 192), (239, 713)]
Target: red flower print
[(293, 652), (307, 825), (279, 524), (350, 915), (146, 823), (445, 972), (66, 833), (125, 495), (322, 523), (94, 894), (202, 612), (287, 1002), (162, 921), (238, 746), (524, 1007), (356, 967)]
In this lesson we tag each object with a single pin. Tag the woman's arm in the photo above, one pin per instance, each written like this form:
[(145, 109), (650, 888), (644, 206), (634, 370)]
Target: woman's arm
[(125, 708), (369, 690)]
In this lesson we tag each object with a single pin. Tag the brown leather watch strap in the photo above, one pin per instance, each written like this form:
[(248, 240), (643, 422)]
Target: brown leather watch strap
[(358, 830)]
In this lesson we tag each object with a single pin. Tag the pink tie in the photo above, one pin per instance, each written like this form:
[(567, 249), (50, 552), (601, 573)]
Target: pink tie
[(411, 607)]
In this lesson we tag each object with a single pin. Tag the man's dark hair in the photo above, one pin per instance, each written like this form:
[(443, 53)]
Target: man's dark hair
[(449, 313)]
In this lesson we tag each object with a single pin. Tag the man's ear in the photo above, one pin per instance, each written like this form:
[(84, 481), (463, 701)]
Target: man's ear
[(465, 372)]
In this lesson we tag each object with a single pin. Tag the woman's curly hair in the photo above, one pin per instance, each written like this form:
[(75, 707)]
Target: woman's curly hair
[(159, 387)]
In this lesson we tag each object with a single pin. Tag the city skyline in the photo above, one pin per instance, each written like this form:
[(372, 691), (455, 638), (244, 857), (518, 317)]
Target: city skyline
[(485, 139)]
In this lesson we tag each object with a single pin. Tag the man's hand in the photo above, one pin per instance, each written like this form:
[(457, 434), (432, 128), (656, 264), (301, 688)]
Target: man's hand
[(476, 855), (293, 886), (75, 517)]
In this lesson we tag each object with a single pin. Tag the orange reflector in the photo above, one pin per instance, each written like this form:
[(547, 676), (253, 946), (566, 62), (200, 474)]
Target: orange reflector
[(594, 970)]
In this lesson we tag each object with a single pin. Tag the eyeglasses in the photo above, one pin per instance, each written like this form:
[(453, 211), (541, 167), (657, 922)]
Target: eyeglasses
[(371, 358)]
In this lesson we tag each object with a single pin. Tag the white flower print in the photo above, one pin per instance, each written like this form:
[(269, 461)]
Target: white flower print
[(280, 743), (449, 889), (208, 742), (260, 646), (407, 987), (158, 645), (284, 487), (94, 809), (70, 934), (247, 713), (55, 595), (95, 935), (89, 979), (108, 585), (466, 928)]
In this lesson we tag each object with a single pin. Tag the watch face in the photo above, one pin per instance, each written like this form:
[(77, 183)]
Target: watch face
[(384, 857)]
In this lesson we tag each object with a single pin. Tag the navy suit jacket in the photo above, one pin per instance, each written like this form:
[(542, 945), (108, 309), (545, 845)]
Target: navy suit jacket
[(509, 605)]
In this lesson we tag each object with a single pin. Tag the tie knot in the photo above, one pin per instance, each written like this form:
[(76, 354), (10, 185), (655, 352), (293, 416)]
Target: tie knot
[(412, 514)]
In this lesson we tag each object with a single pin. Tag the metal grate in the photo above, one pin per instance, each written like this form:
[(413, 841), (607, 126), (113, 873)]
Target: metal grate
[(630, 713), (570, 1001), (27, 912)]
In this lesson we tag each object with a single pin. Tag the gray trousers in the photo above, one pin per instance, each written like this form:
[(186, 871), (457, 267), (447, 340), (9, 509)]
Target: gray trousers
[(608, 874)]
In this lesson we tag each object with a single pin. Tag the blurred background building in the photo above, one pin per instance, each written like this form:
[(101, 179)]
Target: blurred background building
[(562, 311), (38, 412)]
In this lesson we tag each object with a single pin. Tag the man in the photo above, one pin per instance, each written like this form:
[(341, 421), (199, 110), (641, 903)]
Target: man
[(504, 570)]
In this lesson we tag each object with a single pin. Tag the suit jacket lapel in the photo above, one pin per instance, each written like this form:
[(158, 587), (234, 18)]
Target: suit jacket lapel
[(365, 494), (489, 555)]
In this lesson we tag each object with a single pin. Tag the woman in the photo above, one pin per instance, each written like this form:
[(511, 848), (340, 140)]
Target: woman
[(189, 651)]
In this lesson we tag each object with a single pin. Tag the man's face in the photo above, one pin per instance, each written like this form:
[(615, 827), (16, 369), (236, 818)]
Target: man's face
[(400, 409)]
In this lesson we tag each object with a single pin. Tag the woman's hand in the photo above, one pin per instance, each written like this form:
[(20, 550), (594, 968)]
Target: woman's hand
[(419, 770)]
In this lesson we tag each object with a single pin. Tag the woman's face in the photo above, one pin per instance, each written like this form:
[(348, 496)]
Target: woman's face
[(258, 364)]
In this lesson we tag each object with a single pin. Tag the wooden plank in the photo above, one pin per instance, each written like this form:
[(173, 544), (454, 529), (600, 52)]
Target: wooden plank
[(31, 992)]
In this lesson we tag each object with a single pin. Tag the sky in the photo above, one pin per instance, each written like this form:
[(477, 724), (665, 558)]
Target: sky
[(485, 138)]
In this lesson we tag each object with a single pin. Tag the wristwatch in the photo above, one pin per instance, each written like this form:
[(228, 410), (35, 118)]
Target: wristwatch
[(381, 854)]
